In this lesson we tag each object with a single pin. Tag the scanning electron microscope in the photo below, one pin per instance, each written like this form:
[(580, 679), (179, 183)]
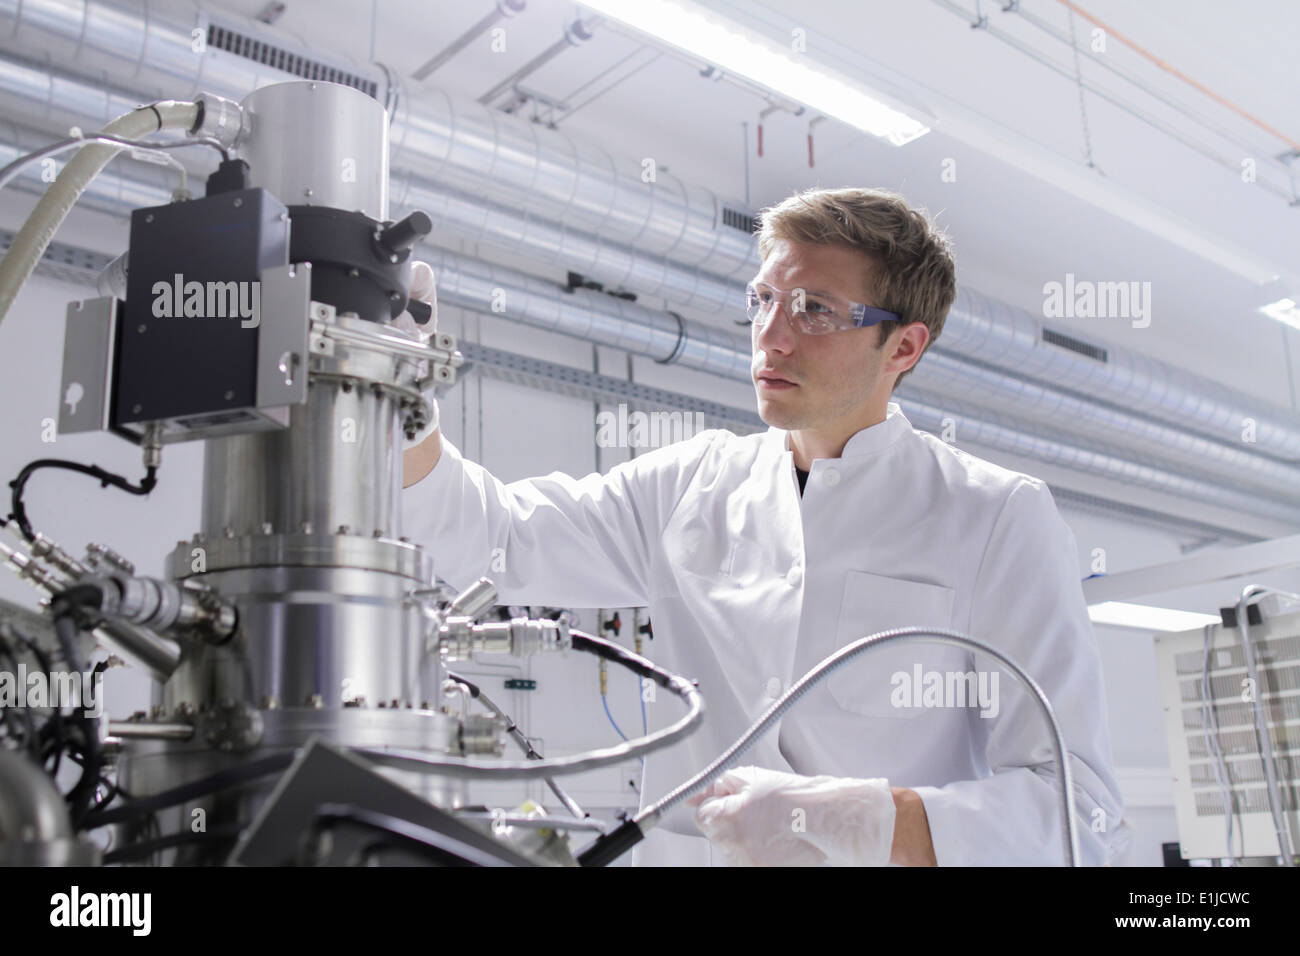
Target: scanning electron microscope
[(300, 641)]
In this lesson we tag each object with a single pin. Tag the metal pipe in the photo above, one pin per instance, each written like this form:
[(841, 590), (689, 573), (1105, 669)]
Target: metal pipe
[(1277, 809), (575, 34), (1228, 162), (504, 9), (1108, 63), (158, 655), (140, 730), (1074, 8), (1098, 420), (649, 816), (578, 763), (980, 329)]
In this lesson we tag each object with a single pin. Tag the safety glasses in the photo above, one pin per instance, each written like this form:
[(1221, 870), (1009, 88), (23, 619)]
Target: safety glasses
[(813, 313)]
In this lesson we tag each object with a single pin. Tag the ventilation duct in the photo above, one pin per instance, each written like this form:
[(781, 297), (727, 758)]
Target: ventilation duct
[(987, 331), (606, 320)]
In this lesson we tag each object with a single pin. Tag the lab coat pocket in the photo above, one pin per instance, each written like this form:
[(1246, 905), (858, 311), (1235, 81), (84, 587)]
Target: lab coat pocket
[(879, 682)]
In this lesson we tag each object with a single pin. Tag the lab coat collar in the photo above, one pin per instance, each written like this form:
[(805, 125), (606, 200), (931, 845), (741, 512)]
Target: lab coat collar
[(868, 441)]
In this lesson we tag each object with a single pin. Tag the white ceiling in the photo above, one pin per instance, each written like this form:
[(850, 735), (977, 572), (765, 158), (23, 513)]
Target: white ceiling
[(1013, 229)]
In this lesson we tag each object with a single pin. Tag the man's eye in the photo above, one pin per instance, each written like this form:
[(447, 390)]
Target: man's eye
[(819, 307)]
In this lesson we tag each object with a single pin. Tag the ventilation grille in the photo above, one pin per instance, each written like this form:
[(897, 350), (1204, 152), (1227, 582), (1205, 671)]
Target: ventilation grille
[(232, 41), (1074, 345), (737, 219)]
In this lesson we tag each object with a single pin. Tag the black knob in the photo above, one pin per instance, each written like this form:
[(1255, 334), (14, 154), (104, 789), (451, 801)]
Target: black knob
[(400, 236)]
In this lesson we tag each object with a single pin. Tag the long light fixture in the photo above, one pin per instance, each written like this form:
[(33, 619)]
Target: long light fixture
[(1143, 617), (763, 62)]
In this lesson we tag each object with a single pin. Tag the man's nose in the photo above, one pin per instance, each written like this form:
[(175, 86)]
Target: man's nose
[(777, 334)]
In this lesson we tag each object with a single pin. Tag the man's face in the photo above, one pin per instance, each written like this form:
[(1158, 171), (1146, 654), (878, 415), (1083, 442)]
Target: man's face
[(813, 381)]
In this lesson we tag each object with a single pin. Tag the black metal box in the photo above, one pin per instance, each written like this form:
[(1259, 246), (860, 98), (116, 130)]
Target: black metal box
[(188, 342)]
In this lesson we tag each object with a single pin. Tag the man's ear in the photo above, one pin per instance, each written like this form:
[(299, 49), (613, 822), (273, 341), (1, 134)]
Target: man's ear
[(905, 346)]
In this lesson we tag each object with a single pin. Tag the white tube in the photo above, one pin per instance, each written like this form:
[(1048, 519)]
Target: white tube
[(39, 229)]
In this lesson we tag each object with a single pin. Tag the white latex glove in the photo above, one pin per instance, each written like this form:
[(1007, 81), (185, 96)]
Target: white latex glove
[(425, 290), (763, 817)]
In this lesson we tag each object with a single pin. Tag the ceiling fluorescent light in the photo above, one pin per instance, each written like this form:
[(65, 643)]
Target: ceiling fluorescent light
[(1284, 310), (761, 61), (1146, 618)]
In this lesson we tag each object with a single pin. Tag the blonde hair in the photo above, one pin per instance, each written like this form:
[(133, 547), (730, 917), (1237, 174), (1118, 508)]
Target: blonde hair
[(914, 273)]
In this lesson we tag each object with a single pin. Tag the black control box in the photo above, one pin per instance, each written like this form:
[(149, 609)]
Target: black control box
[(188, 339)]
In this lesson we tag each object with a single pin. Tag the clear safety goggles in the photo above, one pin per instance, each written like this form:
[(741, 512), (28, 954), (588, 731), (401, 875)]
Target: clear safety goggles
[(813, 313)]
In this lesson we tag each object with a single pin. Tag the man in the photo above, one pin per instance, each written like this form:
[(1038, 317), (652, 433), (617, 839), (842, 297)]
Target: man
[(760, 555)]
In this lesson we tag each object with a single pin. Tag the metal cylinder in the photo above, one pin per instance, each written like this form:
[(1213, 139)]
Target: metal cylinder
[(319, 144), (34, 827), (324, 638), (333, 470)]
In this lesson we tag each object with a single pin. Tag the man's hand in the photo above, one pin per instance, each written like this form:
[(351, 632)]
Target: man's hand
[(421, 454), (763, 817)]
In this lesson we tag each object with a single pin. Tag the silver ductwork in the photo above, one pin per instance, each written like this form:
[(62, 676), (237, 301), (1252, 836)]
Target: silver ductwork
[(591, 316), (616, 265), (929, 412), (606, 320), (985, 330), (1099, 421)]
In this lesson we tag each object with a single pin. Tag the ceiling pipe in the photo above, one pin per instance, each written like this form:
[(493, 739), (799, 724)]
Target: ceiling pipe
[(1097, 420), (576, 33), (983, 330), (502, 10), (606, 320)]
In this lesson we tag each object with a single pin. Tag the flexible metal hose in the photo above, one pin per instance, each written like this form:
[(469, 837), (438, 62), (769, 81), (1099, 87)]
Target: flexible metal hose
[(578, 763), (39, 229), (653, 813)]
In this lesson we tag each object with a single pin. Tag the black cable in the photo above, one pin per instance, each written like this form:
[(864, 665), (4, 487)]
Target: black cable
[(115, 789), (132, 851), (75, 608), (440, 849), (223, 779), (106, 478), (54, 726), (468, 685), (582, 641)]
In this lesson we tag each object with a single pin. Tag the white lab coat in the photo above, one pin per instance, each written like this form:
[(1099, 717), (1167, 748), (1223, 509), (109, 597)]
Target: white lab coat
[(750, 584)]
